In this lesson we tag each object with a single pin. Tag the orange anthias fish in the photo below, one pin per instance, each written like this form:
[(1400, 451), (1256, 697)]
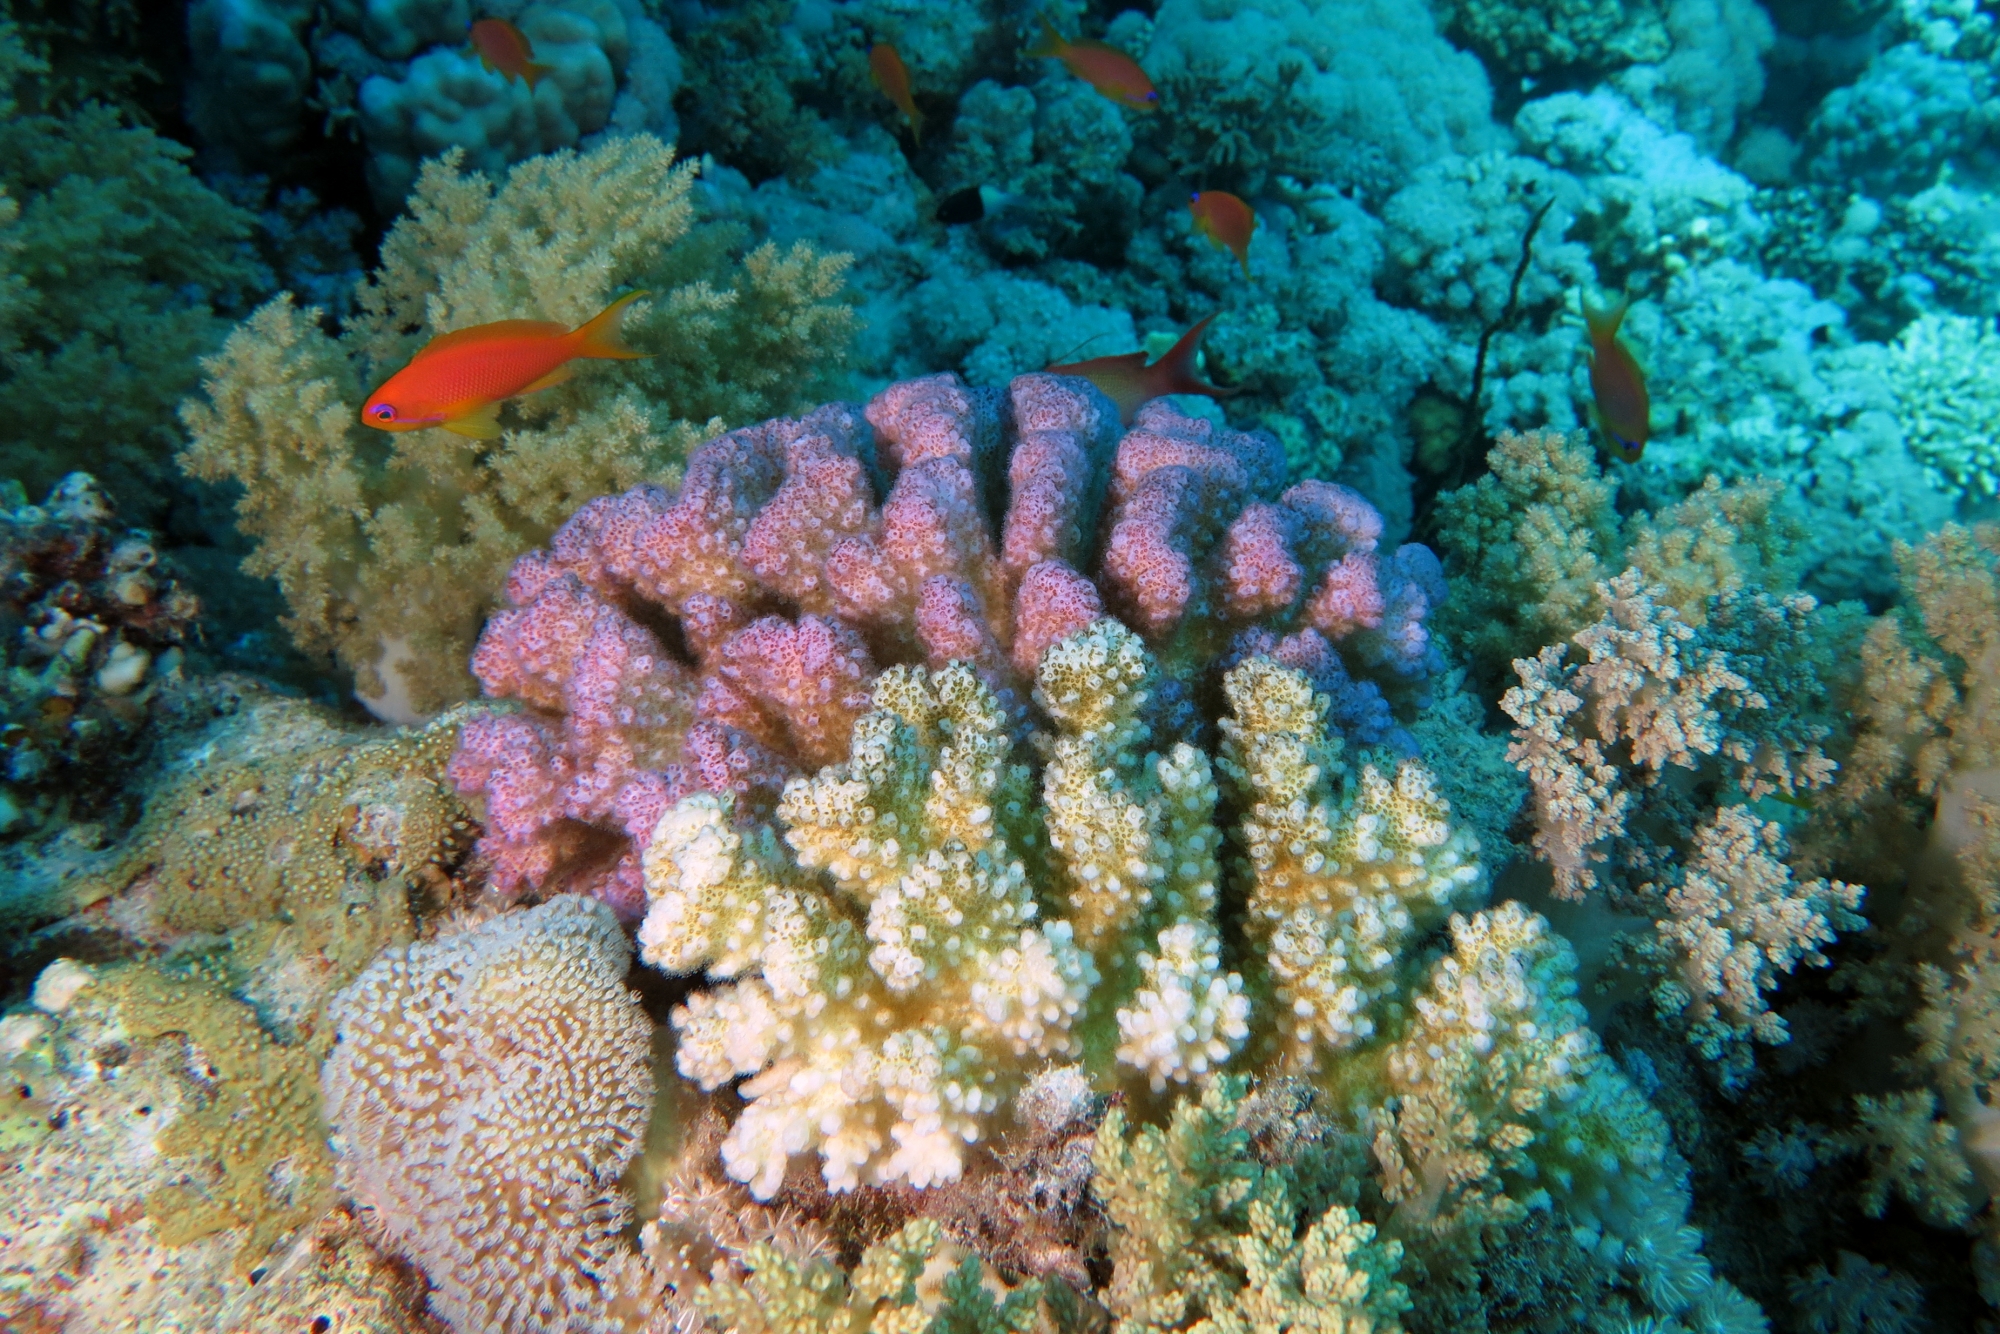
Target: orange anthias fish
[(1617, 383), (1128, 381), (459, 379), (1105, 68), (892, 76), (1226, 221), (504, 48)]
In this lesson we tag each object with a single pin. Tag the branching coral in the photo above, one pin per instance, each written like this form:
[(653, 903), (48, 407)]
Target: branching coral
[(485, 1092), (1205, 1236), (781, 1295), (1920, 784), (1945, 367), (389, 551), (784, 575), (1604, 741)]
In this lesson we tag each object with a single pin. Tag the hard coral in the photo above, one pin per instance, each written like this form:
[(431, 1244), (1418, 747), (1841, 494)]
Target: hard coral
[(724, 637), (389, 550)]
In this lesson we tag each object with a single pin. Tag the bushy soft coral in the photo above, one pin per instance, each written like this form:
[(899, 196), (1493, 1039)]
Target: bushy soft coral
[(1602, 740), (113, 257), (390, 550)]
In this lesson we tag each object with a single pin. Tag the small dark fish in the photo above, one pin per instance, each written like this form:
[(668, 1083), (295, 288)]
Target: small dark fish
[(1617, 383), (967, 205), (1128, 381)]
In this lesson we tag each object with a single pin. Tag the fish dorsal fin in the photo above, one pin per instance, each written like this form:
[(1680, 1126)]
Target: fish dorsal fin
[(1122, 379), (482, 423), (1052, 43), (482, 332)]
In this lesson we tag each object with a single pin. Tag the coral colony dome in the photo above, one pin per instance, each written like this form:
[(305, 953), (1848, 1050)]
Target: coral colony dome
[(981, 667)]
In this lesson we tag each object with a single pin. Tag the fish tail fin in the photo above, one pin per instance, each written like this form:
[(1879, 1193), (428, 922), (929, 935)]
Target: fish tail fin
[(534, 73), (603, 336), (1174, 373), (1604, 322), (1052, 42)]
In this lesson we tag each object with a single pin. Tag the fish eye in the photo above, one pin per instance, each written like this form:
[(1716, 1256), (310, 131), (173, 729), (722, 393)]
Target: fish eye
[(382, 412)]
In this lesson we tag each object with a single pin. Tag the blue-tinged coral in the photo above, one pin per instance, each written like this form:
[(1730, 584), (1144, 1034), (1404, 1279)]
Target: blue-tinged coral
[(403, 78), (1947, 377)]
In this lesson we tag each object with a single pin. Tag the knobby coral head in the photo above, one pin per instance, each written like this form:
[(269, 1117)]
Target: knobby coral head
[(725, 637)]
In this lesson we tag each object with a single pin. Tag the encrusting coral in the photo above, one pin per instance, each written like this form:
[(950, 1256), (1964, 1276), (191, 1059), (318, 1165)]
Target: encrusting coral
[(390, 551), (179, 1132)]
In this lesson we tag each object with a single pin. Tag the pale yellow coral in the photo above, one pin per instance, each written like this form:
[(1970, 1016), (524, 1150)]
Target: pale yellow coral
[(390, 549)]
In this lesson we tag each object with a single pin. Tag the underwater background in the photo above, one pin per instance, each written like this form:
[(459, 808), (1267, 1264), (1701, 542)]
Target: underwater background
[(815, 666)]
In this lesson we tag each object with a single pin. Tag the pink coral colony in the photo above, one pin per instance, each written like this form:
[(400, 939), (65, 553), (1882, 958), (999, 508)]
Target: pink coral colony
[(723, 637)]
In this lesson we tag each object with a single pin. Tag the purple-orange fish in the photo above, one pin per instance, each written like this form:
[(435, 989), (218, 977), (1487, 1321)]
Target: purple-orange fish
[(459, 379), (1105, 68), (505, 49), (1226, 221), (892, 76), (1617, 383), (1128, 381)]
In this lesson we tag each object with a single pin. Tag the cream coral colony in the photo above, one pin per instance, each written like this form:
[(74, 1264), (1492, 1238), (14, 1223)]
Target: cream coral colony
[(933, 810)]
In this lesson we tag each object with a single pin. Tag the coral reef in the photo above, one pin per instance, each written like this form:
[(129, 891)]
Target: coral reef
[(403, 77), (391, 558), (485, 1092), (1203, 1232), (788, 585), (92, 622)]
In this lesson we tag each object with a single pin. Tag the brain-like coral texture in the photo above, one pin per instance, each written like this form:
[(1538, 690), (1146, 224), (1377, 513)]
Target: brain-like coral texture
[(724, 637), (485, 1093)]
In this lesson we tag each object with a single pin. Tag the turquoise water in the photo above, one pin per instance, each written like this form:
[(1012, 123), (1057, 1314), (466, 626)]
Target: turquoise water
[(1432, 557)]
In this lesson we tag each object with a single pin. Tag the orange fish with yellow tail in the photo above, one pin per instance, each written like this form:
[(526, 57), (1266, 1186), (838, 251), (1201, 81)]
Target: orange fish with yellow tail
[(892, 76), (459, 379), (1226, 221), (505, 49), (1105, 68), (1128, 381), (1617, 383)]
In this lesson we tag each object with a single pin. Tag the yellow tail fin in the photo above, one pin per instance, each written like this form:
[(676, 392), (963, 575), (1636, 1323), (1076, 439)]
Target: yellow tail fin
[(1053, 43), (603, 336)]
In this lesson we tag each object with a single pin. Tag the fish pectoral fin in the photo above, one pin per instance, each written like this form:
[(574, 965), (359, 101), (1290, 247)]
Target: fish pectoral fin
[(482, 423), (555, 377)]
